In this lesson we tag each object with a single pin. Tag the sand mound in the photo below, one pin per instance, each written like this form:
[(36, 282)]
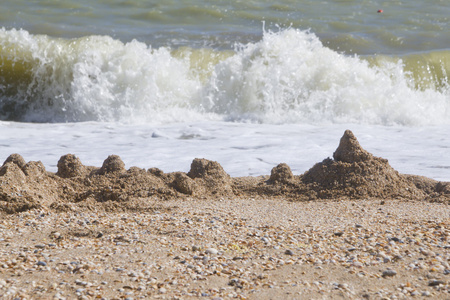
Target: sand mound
[(353, 173), (25, 185), (356, 173), (211, 176), (112, 164), (349, 150), (281, 173), (185, 184), (16, 159), (70, 166)]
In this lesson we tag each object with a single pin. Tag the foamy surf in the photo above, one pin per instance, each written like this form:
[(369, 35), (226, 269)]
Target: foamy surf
[(287, 77)]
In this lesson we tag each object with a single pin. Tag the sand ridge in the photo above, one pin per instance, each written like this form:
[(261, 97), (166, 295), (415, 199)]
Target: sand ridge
[(353, 173)]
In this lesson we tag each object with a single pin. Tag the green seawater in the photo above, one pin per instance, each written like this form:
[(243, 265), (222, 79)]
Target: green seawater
[(349, 26), (374, 61)]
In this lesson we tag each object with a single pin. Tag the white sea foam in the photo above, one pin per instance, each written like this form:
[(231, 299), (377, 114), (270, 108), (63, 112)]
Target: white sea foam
[(242, 149), (291, 77), (287, 77), (158, 108)]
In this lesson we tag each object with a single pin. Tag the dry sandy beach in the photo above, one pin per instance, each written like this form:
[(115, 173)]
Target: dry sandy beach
[(349, 228)]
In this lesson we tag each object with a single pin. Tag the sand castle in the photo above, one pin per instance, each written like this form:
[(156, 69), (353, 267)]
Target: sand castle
[(353, 173), (349, 227)]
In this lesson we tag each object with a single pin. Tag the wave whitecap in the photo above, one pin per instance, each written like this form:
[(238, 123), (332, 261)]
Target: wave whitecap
[(287, 77)]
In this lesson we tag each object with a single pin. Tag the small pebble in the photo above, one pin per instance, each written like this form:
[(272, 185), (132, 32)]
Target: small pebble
[(435, 282), (212, 251), (288, 252), (389, 273)]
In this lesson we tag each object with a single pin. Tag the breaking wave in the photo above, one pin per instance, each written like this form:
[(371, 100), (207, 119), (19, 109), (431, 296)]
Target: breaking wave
[(287, 77)]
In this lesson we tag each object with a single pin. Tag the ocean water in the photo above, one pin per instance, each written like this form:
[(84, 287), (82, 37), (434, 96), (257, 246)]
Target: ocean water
[(249, 84)]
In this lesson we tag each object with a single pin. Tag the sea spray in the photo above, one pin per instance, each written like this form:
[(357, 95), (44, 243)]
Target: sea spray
[(91, 78), (288, 76)]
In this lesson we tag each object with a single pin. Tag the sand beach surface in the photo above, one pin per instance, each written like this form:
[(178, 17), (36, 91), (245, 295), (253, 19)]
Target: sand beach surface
[(351, 227)]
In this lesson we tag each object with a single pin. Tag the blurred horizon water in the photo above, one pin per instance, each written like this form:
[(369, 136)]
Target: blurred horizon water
[(245, 83)]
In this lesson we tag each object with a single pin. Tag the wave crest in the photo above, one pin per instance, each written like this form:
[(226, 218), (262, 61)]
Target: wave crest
[(287, 77)]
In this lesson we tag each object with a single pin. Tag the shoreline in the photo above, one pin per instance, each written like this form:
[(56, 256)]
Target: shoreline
[(350, 227), (352, 173)]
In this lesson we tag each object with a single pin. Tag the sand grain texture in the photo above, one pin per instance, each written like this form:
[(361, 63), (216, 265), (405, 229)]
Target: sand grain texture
[(351, 227)]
